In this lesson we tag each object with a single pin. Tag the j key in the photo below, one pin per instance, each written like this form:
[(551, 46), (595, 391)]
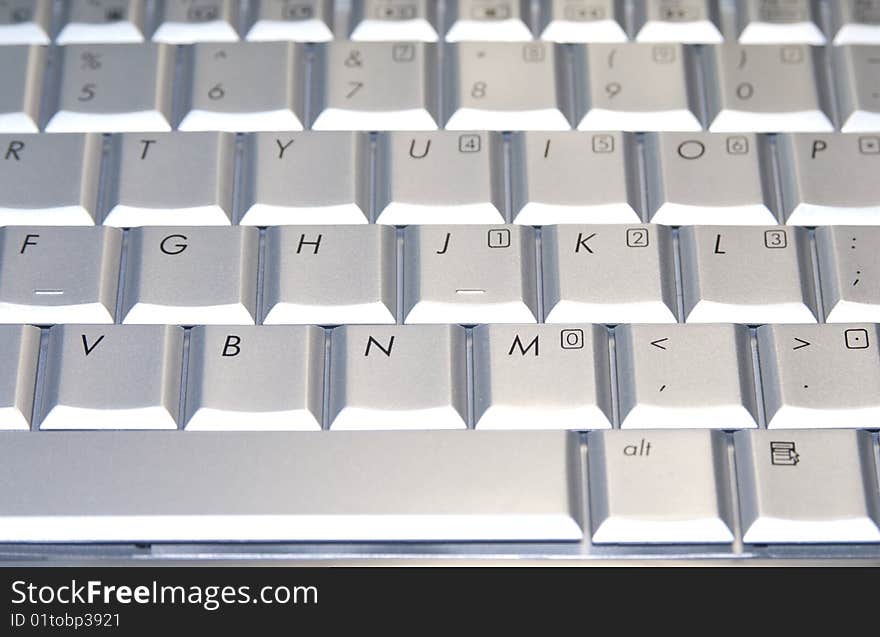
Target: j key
[(705, 178), (807, 486), (49, 179), (820, 375), (507, 86), (747, 274), (583, 21), (771, 21), (849, 272), (246, 87), (856, 21), (659, 487), (25, 21), (376, 86), (767, 89), (391, 20), (292, 20), (541, 377), (441, 177), (857, 75), (488, 20), (172, 179), (686, 21), (113, 88), (191, 276), (574, 177), (635, 87), (102, 21), (425, 366), (695, 376), (183, 21), (830, 179), (21, 68), (112, 377), (238, 382), (20, 348), (313, 178), (59, 275), (330, 275), (472, 274), (608, 274)]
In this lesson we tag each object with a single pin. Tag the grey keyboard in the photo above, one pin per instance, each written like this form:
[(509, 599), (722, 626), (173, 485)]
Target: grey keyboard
[(476, 279)]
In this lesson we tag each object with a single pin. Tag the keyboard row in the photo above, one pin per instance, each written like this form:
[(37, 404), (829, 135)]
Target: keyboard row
[(441, 177), (416, 86), (691, 21), (373, 377)]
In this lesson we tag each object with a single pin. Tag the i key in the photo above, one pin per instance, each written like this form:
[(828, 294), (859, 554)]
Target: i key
[(395, 377), (849, 272), (856, 21), (778, 21), (91, 21), (857, 77), (59, 275), (113, 88), (25, 22), (20, 349), (391, 20), (184, 21), (246, 87), (747, 274), (376, 86), (21, 68), (112, 377), (488, 20), (685, 21), (469, 274), (191, 276), (817, 376), (583, 21), (291, 20)]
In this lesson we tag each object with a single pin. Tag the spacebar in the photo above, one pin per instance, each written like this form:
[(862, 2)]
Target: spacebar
[(289, 486)]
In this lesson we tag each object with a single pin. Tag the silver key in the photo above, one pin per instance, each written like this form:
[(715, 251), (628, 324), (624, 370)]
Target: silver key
[(59, 275), (685, 376), (306, 178), (807, 486), (704, 178), (21, 68), (112, 377), (102, 21), (191, 276), (686, 21), (849, 272), (766, 89), (583, 21), (172, 179), (184, 21), (488, 20), (772, 21), (392, 377), (608, 274), (25, 21), (856, 21), (574, 177), (507, 86), (441, 177), (830, 179), (293, 20), (376, 86), (225, 94), (237, 380), (155, 486), (659, 487), (541, 377), (857, 77), (113, 88), (49, 179), (747, 274), (390, 20), (635, 87), (820, 375), (469, 274), (20, 348), (330, 275)]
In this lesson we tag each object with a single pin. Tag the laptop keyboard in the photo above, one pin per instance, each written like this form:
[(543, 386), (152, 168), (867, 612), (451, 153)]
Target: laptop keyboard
[(477, 278)]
